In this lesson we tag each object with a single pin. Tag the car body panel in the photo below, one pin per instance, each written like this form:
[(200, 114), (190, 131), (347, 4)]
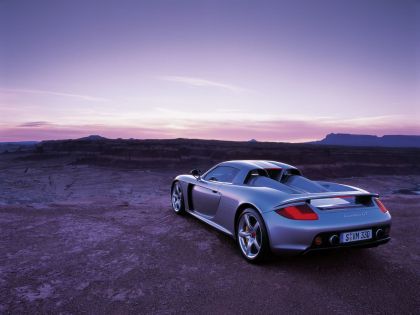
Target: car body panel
[(218, 203), (206, 197)]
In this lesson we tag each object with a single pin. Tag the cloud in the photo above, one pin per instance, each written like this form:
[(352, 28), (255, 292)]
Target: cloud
[(35, 124), (59, 132), (203, 83), (55, 93)]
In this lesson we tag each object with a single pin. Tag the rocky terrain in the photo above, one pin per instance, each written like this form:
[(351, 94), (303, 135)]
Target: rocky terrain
[(183, 154), (87, 228), (396, 141)]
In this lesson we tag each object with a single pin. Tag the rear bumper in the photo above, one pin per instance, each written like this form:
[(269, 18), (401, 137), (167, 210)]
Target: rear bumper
[(364, 244), (292, 251), (292, 237)]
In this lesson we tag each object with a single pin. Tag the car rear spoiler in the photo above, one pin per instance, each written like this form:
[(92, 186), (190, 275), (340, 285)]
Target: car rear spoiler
[(342, 194)]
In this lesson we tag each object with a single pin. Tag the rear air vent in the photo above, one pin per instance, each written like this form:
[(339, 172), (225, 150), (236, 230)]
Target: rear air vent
[(342, 202)]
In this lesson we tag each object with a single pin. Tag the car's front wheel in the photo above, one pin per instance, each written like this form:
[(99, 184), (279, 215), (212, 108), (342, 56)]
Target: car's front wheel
[(177, 198), (252, 236)]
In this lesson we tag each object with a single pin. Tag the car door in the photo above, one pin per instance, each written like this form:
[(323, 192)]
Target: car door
[(206, 197), (206, 193)]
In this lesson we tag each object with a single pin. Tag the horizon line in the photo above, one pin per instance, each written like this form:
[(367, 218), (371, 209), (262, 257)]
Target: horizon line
[(213, 139)]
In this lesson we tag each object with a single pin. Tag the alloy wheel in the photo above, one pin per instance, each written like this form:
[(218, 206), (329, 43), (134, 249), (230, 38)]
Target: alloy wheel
[(249, 235), (176, 197)]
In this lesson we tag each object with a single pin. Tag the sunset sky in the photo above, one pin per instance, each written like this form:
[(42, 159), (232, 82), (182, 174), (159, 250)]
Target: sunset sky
[(232, 69)]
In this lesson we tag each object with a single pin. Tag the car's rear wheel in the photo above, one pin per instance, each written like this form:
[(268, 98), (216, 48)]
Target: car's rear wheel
[(252, 236), (177, 198)]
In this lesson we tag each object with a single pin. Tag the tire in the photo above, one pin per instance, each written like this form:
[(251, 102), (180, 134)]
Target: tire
[(177, 198), (252, 237)]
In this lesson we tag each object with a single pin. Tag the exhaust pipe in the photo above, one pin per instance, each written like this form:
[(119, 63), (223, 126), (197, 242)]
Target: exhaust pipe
[(379, 233), (333, 239)]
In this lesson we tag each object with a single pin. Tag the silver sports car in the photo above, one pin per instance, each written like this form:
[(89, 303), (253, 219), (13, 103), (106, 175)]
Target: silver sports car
[(268, 206)]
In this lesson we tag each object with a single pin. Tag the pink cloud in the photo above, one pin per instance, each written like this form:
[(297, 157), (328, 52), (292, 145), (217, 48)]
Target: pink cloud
[(35, 124), (55, 132), (293, 131)]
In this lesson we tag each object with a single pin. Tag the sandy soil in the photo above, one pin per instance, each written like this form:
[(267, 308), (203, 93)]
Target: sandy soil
[(83, 239)]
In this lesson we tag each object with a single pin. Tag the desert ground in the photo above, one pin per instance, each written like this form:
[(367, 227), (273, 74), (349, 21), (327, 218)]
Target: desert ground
[(82, 237)]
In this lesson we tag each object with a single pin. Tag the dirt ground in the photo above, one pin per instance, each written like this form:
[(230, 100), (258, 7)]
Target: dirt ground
[(83, 239)]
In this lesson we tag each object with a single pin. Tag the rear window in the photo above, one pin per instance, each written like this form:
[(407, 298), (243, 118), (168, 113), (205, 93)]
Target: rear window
[(274, 173)]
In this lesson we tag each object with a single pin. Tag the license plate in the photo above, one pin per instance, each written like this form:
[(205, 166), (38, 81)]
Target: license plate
[(355, 236)]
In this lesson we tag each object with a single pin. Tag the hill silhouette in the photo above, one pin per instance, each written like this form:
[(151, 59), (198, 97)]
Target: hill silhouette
[(396, 141)]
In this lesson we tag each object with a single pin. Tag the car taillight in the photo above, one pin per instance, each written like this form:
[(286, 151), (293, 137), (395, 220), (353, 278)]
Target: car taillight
[(300, 212), (381, 205)]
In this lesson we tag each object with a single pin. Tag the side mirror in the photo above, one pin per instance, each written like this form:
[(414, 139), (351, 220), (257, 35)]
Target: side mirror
[(196, 173)]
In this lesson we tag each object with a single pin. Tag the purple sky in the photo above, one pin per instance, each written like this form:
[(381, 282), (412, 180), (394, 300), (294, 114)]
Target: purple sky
[(270, 70)]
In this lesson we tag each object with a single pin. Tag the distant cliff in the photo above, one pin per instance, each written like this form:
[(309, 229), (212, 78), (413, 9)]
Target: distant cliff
[(368, 140), (17, 146)]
